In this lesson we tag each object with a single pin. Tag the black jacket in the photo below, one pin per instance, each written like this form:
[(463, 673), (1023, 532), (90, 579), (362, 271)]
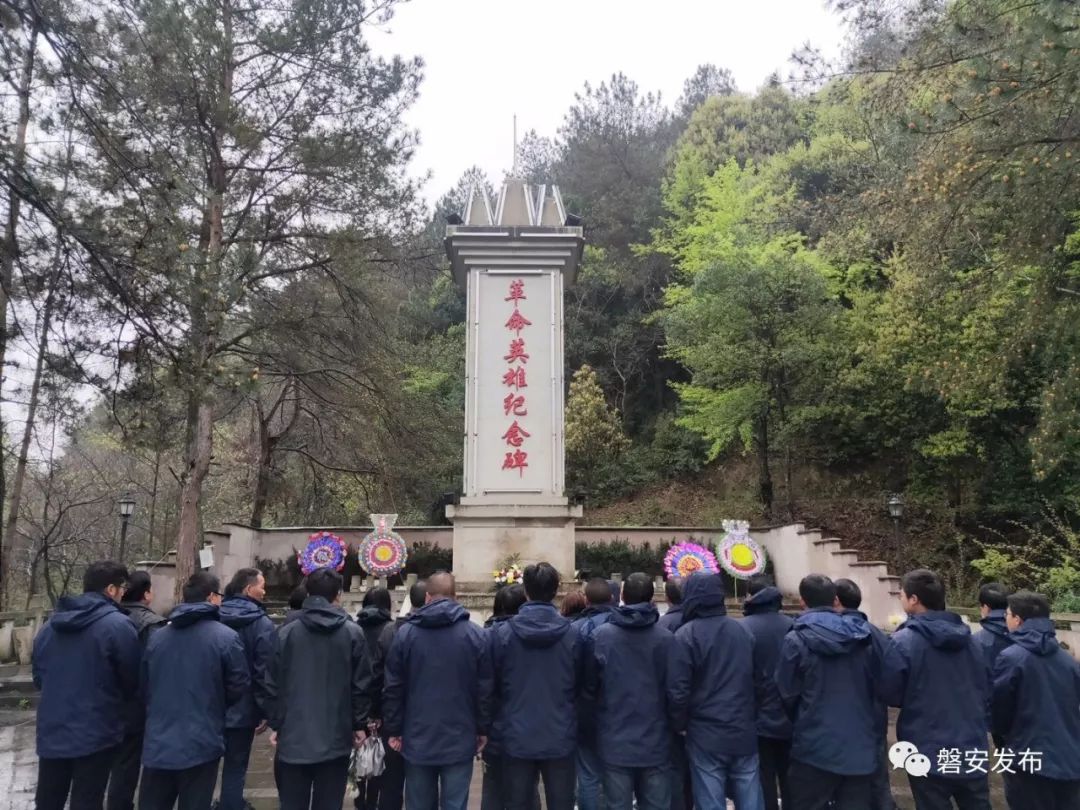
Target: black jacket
[(192, 671), (318, 685), (768, 626), (373, 621), (144, 619)]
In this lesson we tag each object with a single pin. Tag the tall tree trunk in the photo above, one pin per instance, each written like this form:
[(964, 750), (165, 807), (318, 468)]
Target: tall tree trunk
[(19, 479), (761, 448), (153, 501), (198, 453), (9, 250), (262, 478)]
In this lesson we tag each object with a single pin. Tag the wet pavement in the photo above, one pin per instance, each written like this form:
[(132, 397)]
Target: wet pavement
[(18, 771)]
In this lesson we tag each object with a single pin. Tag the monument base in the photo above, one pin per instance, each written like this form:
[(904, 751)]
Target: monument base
[(487, 533)]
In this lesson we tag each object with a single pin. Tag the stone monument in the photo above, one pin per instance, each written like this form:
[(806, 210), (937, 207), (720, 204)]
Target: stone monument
[(513, 262)]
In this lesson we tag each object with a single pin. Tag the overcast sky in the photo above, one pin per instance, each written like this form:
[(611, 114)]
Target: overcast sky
[(486, 60)]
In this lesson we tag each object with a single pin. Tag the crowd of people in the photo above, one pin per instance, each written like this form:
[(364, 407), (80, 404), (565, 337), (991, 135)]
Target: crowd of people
[(605, 703)]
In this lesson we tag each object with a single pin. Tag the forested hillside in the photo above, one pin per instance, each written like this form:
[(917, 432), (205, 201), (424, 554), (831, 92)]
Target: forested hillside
[(222, 292)]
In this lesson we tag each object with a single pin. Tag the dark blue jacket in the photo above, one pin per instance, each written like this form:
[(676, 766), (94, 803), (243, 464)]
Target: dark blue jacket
[(437, 693), (627, 673), (373, 621), (994, 636), (592, 618), (257, 633), (1036, 700), (495, 733), (86, 664), (537, 658), (769, 626), (715, 678), (193, 670), (673, 619), (826, 676), (881, 644), (936, 673)]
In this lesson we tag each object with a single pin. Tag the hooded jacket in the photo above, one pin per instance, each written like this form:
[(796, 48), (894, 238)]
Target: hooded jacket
[(193, 670), (881, 643), (936, 673), (586, 625), (146, 622), (768, 626), (373, 621), (825, 676), (715, 677), (673, 619), (86, 664), (437, 696), (627, 673), (257, 633), (318, 686), (537, 659), (1036, 700), (495, 732), (994, 636)]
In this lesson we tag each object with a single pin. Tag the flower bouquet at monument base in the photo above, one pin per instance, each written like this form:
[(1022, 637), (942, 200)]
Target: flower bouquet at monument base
[(510, 572)]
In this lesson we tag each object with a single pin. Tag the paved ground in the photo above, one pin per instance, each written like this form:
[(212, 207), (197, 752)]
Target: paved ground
[(18, 769)]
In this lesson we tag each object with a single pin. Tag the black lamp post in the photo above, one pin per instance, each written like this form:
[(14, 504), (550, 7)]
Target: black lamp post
[(896, 512), (127, 509)]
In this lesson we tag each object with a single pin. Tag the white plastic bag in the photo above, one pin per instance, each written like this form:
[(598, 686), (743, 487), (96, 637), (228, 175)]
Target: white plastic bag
[(368, 761)]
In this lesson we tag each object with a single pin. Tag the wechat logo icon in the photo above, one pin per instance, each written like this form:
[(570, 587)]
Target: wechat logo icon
[(905, 755)]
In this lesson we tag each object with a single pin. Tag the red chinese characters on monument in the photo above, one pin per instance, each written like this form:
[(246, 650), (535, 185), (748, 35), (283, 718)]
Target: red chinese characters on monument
[(514, 404)]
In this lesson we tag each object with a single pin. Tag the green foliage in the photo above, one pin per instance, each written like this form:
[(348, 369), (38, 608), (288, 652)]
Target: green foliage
[(595, 441), (603, 559)]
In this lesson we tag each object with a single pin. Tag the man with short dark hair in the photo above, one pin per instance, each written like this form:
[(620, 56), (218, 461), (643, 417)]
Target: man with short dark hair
[(1036, 707), (825, 677), (994, 637), (600, 605), (243, 611), (672, 618), (713, 682), (124, 778), (318, 690), (537, 658), (768, 626), (849, 599), (936, 674), (626, 672), (193, 670), (86, 664), (296, 604), (437, 699)]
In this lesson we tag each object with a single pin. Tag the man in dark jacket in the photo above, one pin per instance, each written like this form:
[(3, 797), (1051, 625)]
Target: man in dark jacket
[(1036, 708), (392, 783), (318, 692), (193, 670), (672, 619), (243, 611), (936, 673), (714, 683), (768, 626), (626, 671), (601, 601), (373, 618), (86, 664), (508, 602), (537, 661), (296, 604), (993, 601), (825, 676), (437, 699), (124, 778), (849, 598)]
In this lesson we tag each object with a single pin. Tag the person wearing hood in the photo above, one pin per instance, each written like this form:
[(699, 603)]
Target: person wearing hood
[(392, 783), (508, 602), (601, 600), (318, 695), (1036, 707), (994, 636), (86, 664), (848, 601), (936, 674), (243, 611), (673, 617), (437, 699), (537, 660), (715, 681), (296, 604), (124, 778), (825, 677), (768, 626), (193, 671), (373, 618), (626, 673)]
